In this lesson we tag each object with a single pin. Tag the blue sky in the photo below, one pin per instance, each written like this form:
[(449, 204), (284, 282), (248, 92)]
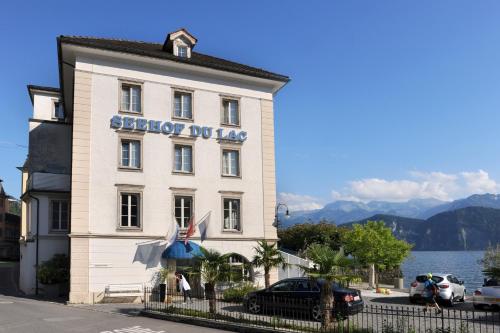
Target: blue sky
[(389, 100)]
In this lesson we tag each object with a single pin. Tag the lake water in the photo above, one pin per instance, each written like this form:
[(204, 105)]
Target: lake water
[(463, 264)]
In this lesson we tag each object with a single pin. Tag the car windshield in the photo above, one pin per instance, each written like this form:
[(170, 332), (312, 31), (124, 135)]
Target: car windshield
[(423, 278), (491, 283)]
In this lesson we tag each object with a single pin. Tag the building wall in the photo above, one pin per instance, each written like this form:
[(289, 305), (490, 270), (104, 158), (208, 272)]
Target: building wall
[(101, 254)]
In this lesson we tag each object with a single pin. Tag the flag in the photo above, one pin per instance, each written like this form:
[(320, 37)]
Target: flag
[(203, 226), (190, 230), (173, 235)]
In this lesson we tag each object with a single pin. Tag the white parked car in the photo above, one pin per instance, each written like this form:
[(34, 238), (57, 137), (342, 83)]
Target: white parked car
[(488, 295), (451, 289)]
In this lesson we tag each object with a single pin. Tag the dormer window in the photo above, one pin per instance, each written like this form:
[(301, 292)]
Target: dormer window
[(182, 51), (179, 43)]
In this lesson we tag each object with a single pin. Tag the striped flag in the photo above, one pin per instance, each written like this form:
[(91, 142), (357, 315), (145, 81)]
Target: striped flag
[(203, 226), (190, 230), (173, 235)]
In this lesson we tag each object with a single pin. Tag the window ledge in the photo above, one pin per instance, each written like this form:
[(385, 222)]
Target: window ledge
[(133, 229), (189, 120), (230, 125), (181, 173), (231, 231), (131, 112), (127, 169), (230, 176)]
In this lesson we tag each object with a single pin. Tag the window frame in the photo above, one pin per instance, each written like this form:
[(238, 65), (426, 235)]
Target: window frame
[(230, 148), (54, 110), (224, 98), (228, 196), (51, 213), (130, 83), (138, 138), (186, 144), (184, 194), (185, 92), (135, 190)]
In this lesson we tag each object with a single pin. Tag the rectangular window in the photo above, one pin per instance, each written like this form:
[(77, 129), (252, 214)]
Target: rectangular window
[(130, 210), (182, 51), (59, 215), (183, 158), (58, 110), (183, 106), (230, 163), (131, 154), (131, 98), (232, 214), (231, 112), (183, 210)]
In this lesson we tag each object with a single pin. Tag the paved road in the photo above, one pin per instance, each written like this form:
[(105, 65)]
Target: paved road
[(21, 315)]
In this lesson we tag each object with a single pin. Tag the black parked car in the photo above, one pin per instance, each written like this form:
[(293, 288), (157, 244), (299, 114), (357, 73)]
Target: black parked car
[(302, 296)]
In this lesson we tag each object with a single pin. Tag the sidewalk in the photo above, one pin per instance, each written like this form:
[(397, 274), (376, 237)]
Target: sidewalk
[(127, 309)]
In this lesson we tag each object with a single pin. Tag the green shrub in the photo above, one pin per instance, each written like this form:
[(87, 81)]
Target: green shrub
[(55, 270), (235, 294)]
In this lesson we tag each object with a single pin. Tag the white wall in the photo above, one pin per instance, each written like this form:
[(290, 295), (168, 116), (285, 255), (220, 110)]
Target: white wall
[(43, 105), (49, 243)]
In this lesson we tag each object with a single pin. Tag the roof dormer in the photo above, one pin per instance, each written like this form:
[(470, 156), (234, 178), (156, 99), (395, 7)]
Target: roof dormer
[(180, 43)]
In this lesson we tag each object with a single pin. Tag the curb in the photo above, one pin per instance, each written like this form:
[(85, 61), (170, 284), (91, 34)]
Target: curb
[(226, 326)]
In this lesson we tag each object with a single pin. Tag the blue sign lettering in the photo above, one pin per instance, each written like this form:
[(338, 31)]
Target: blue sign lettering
[(156, 126)]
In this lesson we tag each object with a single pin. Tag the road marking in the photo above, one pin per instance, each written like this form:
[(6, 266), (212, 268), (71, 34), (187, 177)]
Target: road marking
[(59, 319), (133, 329), (6, 302)]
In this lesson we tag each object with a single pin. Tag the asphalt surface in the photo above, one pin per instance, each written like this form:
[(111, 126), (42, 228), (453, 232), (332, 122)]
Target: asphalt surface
[(27, 315)]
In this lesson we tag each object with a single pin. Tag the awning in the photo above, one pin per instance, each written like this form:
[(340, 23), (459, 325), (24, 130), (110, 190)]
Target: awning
[(180, 251)]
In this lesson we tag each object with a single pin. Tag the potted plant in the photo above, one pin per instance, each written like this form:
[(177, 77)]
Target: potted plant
[(398, 279), (163, 278), (53, 274)]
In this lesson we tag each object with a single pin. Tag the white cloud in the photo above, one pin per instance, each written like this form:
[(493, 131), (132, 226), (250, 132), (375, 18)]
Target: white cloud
[(421, 185), (296, 202)]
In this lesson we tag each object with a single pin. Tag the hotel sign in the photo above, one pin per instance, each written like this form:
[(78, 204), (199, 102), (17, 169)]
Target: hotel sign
[(167, 128)]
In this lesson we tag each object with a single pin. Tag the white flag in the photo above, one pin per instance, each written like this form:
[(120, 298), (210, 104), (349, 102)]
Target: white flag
[(203, 226)]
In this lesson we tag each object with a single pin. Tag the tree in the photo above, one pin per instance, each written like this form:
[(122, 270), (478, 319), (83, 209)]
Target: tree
[(374, 245), (268, 256), (330, 266), (213, 267), (491, 262), (299, 236)]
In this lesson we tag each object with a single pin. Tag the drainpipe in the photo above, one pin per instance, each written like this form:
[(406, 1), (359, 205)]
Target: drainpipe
[(36, 246)]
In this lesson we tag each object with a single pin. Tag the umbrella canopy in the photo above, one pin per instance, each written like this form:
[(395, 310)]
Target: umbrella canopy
[(180, 251)]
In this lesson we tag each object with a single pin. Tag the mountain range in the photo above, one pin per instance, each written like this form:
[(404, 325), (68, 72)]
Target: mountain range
[(340, 212), (469, 228)]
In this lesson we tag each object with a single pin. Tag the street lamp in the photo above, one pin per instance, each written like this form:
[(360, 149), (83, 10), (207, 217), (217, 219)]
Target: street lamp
[(276, 223)]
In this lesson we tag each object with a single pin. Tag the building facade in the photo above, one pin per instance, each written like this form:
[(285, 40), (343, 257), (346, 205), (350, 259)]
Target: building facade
[(9, 227), (148, 136)]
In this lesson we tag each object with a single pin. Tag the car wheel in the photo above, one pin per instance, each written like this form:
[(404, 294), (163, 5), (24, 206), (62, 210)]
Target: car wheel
[(478, 306), (451, 301), (316, 312), (253, 306), (413, 300)]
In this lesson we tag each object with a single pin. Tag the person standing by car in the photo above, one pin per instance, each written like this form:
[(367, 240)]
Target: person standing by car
[(185, 287), (431, 290)]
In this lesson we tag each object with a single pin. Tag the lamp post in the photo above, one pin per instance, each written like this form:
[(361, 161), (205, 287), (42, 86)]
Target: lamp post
[(276, 223)]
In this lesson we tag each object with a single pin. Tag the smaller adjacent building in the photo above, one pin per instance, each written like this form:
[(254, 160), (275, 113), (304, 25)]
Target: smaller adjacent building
[(10, 224)]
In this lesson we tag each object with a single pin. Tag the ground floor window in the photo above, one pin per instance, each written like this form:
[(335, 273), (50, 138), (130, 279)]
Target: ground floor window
[(231, 208), (59, 212), (130, 204), (183, 210)]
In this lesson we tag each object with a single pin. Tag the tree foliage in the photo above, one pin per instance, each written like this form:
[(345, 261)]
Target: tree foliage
[(374, 243), (330, 266), (300, 236), (267, 256), (491, 262)]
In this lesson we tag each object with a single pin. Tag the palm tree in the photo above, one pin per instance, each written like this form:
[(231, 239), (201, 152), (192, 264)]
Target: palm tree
[(330, 266), (213, 268), (268, 256)]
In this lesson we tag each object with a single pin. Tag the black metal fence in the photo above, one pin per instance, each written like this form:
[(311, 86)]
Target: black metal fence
[(304, 315)]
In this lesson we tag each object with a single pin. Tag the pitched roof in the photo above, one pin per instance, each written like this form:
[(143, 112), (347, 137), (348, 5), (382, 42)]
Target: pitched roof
[(155, 50)]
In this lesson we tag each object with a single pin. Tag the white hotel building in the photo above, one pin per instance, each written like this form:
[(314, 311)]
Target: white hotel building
[(140, 136)]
